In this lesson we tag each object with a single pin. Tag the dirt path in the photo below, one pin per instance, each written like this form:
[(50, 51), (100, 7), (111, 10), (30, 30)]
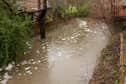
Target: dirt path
[(68, 56)]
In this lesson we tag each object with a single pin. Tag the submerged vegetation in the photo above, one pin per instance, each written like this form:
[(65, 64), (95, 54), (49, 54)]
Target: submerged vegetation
[(14, 33)]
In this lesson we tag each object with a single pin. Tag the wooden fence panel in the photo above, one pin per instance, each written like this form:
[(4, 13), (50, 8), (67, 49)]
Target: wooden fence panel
[(105, 8)]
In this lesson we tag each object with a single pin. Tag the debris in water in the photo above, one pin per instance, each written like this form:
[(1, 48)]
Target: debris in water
[(6, 78), (24, 62), (83, 24), (36, 68), (72, 37), (43, 47), (87, 30), (28, 44), (38, 52), (63, 39), (19, 74), (27, 68), (39, 61), (25, 53), (30, 47), (9, 67), (31, 60), (34, 63), (3, 81), (29, 72)]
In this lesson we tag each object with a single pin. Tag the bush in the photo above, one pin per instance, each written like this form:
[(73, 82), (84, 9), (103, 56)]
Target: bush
[(84, 10), (60, 12), (14, 33), (72, 10)]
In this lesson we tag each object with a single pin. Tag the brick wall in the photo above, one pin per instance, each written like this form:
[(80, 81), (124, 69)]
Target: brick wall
[(31, 5)]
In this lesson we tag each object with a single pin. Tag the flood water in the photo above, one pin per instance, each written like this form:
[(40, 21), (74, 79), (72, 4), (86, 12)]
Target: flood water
[(68, 55)]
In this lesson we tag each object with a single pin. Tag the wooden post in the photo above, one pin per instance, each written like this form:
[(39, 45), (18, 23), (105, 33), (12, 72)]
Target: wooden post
[(41, 20), (122, 68)]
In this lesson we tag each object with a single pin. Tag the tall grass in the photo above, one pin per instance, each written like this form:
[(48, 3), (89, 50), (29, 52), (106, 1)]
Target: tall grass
[(14, 33)]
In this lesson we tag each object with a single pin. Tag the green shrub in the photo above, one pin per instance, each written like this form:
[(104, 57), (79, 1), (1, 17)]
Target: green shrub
[(73, 10), (49, 17), (14, 33), (84, 10), (60, 11)]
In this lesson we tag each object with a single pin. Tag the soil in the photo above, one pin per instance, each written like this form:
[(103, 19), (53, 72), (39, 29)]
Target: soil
[(107, 70)]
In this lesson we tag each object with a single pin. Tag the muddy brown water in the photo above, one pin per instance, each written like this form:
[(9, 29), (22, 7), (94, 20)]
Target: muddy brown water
[(68, 55)]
